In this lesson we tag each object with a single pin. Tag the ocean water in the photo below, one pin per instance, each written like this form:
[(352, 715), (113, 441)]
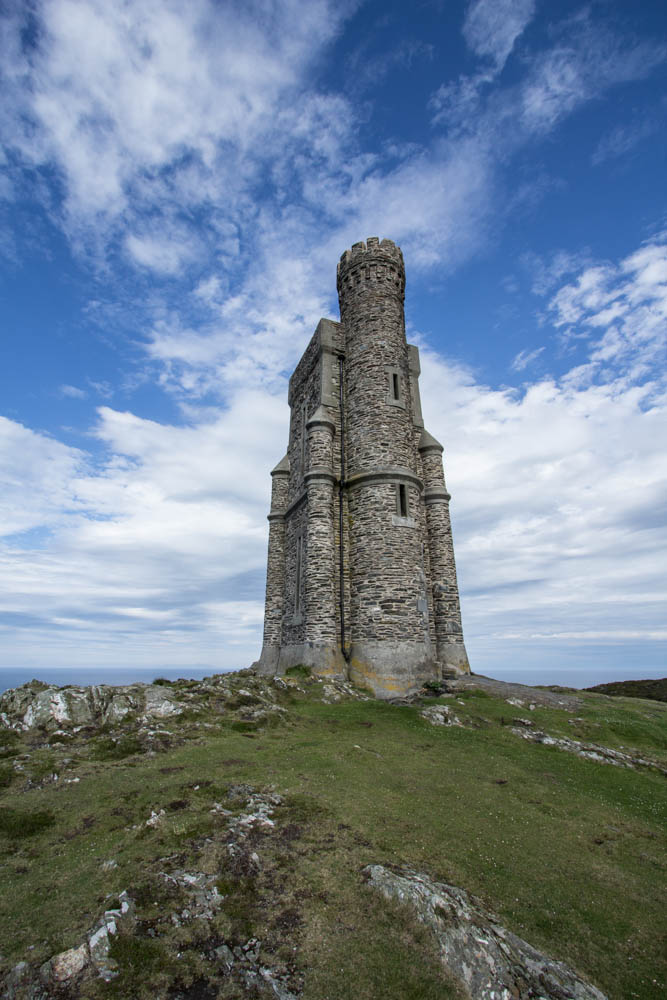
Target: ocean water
[(11, 678)]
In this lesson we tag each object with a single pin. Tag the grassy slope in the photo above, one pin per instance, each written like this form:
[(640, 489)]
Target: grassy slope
[(567, 851)]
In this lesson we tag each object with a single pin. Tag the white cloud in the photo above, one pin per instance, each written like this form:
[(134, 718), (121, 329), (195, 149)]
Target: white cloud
[(178, 99), (491, 27), (558, 502), (36, 473), (72, 392), (623, 307), (164, 252), (162, 548)]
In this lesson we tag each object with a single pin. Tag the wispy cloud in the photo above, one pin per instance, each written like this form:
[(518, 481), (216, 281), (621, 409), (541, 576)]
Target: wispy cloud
[(491, 27), (525, 358), (72, 392), (623, 138)]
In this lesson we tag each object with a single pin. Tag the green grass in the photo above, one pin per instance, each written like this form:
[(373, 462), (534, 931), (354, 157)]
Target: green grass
[(568, 852), (19, 823), (117, 749)]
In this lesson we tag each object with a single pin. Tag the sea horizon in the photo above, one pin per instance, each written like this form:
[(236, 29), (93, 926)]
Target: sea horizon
[(13, 677)]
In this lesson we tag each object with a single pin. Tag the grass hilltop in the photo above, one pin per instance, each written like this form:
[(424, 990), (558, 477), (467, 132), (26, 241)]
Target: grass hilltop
[(293, 838)]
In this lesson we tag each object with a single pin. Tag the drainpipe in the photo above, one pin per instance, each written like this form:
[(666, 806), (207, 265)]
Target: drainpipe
[(341, 489)]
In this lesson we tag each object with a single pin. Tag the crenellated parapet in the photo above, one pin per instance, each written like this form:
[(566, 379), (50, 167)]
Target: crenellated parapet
[(372, 265)]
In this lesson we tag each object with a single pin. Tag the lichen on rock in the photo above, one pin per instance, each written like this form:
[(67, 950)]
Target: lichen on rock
[(492, 962)]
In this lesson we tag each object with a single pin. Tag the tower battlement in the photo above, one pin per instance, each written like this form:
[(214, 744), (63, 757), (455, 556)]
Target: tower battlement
[(372, 261), (361, 580)]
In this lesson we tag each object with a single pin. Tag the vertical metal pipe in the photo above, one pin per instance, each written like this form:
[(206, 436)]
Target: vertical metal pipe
[(341, 489)]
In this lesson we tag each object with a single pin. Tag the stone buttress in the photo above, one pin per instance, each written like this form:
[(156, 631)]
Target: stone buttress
[(361, 579)]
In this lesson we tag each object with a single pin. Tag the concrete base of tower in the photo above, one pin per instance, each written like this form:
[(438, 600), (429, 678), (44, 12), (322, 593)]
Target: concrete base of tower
[(324, 660), (392, 669), (453, 659)]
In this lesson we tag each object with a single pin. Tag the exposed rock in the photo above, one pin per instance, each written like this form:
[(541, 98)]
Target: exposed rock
[(440, 715), (70, 708), (203, 896), (591, 751), (93, 955), (492, 962), (18, 976), (69, 963), (517, 694), (159, 703), (155, 818), (279, 988), (99, 941)]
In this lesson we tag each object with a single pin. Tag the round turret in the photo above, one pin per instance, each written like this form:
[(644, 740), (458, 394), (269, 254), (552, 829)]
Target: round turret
[(372, 267)]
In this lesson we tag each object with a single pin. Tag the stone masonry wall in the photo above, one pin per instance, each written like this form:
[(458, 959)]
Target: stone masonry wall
[(293, 628), (275, 571), (446, 607), (388, 584)]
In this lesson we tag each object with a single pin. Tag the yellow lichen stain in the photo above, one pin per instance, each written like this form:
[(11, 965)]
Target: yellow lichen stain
[(369, 678)]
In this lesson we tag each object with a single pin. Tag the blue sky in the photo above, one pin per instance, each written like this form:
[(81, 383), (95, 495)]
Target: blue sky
[(177, 182)]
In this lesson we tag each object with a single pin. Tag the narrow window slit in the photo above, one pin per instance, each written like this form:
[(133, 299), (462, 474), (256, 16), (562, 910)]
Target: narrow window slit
[(402, 501), (297, 584)]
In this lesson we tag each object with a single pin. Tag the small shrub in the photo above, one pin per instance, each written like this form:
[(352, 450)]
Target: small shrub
[(240, 903), (8, 743), (17, 823), (41, 765), (117, 749), (162, 681), (6, 775), (243, 727), (137, 956), (302, 808), (299, 670), (60, 738)]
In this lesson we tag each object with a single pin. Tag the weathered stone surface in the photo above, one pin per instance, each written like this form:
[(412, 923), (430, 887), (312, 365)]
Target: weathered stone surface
[(590, 751), (440, 715), (159, 703), (69, 963), (492, 962), (35, 704)]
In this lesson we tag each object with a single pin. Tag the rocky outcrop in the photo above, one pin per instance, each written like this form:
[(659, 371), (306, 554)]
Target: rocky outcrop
[(440, 715), (36, 704), (250, 699), (492, 962), (590, 751)]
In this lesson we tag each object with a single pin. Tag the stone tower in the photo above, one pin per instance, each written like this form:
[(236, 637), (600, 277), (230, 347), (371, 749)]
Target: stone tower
[(361, 579)]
